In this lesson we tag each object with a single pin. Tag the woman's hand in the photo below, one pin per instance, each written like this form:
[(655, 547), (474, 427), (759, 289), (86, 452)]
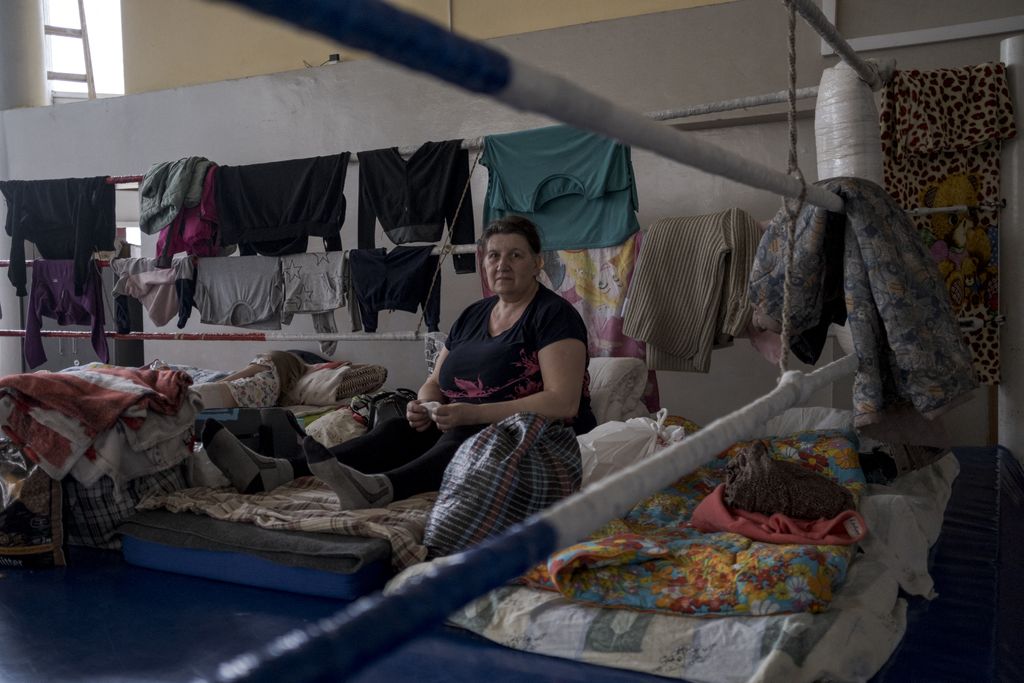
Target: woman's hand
[(417, 415), (451, 415)]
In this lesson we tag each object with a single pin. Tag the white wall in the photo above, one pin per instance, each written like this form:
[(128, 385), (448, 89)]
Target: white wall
[(366, 105)]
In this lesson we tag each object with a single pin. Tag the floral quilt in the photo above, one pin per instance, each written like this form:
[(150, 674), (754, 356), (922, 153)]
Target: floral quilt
[(653, 560)]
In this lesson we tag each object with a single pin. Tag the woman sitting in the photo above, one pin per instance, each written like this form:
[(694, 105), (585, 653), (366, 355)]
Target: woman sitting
[(522, 350)]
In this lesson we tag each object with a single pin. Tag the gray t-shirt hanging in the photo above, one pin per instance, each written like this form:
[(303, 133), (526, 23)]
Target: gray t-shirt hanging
[(242, 291)]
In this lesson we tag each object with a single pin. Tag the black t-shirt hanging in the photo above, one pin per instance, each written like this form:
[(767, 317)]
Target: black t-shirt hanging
[(272, 208), (67, 218), (413, 198)]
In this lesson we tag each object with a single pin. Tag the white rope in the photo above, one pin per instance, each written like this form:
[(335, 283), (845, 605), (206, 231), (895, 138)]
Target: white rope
[(868, 71), (792, 206), (446, 246), (613, 496)]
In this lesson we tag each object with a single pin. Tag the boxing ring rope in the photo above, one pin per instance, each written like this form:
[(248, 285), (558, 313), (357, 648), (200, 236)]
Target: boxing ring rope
[(869, 72), (352, 638)]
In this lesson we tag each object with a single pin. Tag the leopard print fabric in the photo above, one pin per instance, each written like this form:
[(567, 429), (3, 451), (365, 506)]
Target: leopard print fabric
[(941, 137)]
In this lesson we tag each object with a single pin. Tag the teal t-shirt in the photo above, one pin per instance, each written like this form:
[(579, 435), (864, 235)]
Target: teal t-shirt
[(577, 187)]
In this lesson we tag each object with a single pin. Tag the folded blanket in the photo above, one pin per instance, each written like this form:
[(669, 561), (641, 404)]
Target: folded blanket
[(756, 482), (306, 504), (714, 515), (55, 417)]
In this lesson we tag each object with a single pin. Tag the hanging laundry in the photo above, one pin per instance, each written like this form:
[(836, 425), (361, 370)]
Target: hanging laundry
[(913, 363), (243, 291), (577, 187), (396, 280), (273, 208), (68, 218), (414, 198), (167, 188), (314, 283), (194, 229), (708, 260), (164, 292), (941, 136), (52, 297)]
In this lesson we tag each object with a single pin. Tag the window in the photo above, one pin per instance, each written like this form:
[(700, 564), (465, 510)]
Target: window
[(65, 54)]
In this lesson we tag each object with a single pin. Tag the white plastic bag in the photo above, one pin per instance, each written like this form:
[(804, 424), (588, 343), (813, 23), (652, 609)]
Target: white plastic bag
[(612, 446)]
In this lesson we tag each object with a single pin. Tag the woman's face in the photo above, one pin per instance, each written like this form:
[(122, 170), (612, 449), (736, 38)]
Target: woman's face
[(511, 268)]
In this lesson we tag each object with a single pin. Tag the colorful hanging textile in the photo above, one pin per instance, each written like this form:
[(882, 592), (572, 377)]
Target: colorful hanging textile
[(941, 136)]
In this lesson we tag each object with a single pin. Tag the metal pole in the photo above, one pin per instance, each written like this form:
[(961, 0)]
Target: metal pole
[(1011, 268)]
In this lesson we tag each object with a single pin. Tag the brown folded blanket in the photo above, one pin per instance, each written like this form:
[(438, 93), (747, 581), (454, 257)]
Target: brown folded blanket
[(756, 482)]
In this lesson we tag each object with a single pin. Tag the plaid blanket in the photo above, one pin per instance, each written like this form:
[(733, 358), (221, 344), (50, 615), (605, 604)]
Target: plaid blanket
[(307, 504), (55, 417)]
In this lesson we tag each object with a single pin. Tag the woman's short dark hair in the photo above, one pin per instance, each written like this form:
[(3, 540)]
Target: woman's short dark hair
[(513, 225)]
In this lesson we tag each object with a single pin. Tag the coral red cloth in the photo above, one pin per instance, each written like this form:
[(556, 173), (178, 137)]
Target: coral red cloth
[(712, 514), (55, 416)]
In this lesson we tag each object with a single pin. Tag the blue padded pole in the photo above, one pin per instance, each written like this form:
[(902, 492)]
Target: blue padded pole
[(397, 36), (340, 645)]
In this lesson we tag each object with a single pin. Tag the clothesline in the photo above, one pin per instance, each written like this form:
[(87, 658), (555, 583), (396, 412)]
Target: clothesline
[(229, 336), (4, 263), (436, 251)]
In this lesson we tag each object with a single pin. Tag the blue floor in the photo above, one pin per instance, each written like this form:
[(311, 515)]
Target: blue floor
[(102, 619)]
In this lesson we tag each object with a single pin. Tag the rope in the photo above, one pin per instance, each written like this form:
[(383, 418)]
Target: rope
[(446, 247), (792, 207)]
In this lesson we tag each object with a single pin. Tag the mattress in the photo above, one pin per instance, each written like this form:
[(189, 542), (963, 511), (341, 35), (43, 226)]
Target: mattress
[(328, 565), (969, 633)]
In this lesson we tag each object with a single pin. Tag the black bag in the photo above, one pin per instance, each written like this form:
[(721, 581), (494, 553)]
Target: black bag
[(31, 528), (381, 405)]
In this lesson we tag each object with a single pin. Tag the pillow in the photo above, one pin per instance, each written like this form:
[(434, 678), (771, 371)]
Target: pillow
[(335, 427), (327, 385), (616, 388)]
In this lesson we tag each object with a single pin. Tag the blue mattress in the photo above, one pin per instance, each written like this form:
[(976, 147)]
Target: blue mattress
[(328, 565), (102, 619)]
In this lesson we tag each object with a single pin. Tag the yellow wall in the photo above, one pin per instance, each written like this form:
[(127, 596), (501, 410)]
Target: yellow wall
[(170, 43)]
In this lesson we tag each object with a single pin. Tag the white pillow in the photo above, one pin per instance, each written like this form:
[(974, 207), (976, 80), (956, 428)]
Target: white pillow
[(317, 387), (327, 386), (616, 388), (335, 427)]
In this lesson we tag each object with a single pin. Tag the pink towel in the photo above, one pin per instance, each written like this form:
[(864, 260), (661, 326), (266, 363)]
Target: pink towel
[(712, 514)]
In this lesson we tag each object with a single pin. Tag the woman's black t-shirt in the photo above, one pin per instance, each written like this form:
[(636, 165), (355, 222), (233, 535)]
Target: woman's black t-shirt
[(485, 369)]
